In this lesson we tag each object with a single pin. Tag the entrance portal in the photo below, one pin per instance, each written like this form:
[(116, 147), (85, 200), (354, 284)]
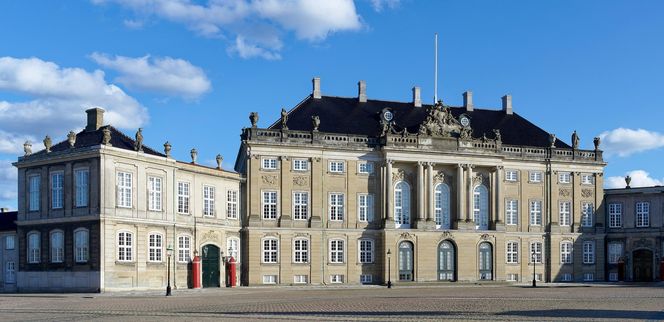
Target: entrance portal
[(486, 261), (210, 263), (642, 265), (406, 261)]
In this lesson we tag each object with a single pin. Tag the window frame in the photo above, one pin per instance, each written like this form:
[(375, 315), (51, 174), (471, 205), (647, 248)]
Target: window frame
[(566, 252), (535, 215), (34, 253), (441, 205), (587, 214), (615, 215), (156, 249), (272, 252), (301, 162), (124, 190), (271, 162), (301, 255), (300, 203), (127, 246), (369, 254), (56, 247), (84, 250), (184, 242), (642, 217), (34, 193), (611, 255), (336, 166), (512, 215), (57, 192), (565, 215), (209, 200), (509, 177), (536, 247), (273, 203), (365, 208), (567, 175), (81, 188), (512, 252), (535, 176), (587, 179), (588, 252), (183, 197), (10, 242), (402, 204), (233, 250), (336, 254), (232, 199), (155, 195), (365, 167), (336, 203)]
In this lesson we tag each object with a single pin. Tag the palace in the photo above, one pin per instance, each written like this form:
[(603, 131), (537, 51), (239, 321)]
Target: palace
[(338, 190)]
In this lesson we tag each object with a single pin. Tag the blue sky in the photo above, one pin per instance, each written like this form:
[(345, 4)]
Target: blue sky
[(191, 71)]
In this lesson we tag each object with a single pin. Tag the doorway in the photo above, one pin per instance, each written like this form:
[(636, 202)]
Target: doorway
[(642, 265), (210, 261), (446, 261), (406, 261), (486, 261)]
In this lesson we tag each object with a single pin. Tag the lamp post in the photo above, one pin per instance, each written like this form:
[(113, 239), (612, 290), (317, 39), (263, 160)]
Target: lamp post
[(169, 252), (389, 269), (534, 264)]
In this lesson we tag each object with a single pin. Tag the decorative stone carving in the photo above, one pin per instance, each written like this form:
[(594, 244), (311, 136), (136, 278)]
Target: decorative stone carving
[(194, 155), (567, 239), (315, 121), (466, 134), (407, 235), (300, 180), (439, 176), (106, 138), (564, 193), (47, 144), (284, 158), (486, 237), (596, 142), (219, 160), (439, 122), (552, 140), (575, 140), (628, 180), (253, 118), (167, 149), (399, 175), (71, 139), (211, 235), (643, 242), (587, 193), (296, 235), (478, 179), (269, 179), (27, 148), (138, 144), (284, 119), (446, 235)]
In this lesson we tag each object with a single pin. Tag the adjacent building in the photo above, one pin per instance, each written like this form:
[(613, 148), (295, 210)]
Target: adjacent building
[(101, 211), (355, 190), (8, 253)]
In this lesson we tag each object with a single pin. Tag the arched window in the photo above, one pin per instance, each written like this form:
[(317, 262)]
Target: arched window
[(442, 206), (402, 205), (481, 207), (57, 246), (446, 261), (34, 247), (81, 245), (486, 261)]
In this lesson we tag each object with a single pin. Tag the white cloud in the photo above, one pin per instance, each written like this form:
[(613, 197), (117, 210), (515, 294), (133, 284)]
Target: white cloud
[(58, 98), (624, 142), (8, 175), (379, 5), (256, 25), (640, 178), (165, 75), (133, 24)]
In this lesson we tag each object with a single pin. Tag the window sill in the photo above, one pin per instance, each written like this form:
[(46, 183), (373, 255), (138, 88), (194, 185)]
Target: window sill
[(125, 263), (155, 263)]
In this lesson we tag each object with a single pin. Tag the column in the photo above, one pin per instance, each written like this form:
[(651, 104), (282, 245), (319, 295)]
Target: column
[(390, 196), (419, 222), (500, 204), (430, 205), (461, 209), (469, 211), (493, 200)]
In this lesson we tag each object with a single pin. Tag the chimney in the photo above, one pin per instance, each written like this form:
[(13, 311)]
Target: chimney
[(362, 91), (95, 119), (417, 100), (316, 91), (468, 101), (507, 104)]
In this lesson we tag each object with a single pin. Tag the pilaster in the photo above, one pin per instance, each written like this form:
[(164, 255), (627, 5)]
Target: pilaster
[(419, 221)]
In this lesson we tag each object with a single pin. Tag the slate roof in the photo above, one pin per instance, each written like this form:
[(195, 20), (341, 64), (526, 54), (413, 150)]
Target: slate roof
[(92, 138), (347, 115), (7, 220)]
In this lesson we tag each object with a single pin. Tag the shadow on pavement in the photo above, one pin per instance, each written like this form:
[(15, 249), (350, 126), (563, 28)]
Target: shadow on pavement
[(589, 313)]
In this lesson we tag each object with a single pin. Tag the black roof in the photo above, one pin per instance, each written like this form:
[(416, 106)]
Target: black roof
[(8, 220), (349, 116), (92, 138)]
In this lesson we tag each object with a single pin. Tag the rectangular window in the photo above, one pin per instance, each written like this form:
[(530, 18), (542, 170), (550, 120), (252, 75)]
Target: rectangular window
[(300, 205), (615, 252), (300, 279), (511, 175), (336, 278), (10, 242), (512, 212), (535, 176), (81, 245), (587, 179), (301, 251), (336, 166), (642, 214), (154, 193), (57, 247), (234, 248), (269, 163), (566, 253), (125, 244), (336, 251), (270, 250), (124, 189), (613, 277), (269, 279), (564, 177), (565, 213), (567, 277), (615, 215), (336, 206), (589, 252), (536, 252), (183, 197), (10, 273), (57, 189), (155, 248), (535, 213), (34, 248), (33, 191), (587, 213), (81, 181), (208, 201), (365, 207), (538, 277), (231, 204), (269, 205), (366, 251), (184, 249), (365, 167), (588, 277), (512, 252), (366, 279), (512, 277), (300, 165)]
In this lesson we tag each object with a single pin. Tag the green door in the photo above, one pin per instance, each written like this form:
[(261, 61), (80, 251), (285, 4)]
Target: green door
[(210, 261)]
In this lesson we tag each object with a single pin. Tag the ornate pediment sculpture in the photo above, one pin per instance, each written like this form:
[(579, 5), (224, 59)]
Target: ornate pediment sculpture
[(439, 122)]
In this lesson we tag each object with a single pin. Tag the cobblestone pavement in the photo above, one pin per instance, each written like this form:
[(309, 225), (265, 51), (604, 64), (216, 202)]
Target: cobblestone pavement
[(456, 302)]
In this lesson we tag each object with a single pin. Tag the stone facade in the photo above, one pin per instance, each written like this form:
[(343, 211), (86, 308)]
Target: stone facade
[(8, 251)]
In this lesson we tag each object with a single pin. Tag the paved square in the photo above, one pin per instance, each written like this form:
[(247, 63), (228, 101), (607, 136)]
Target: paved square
[(460, 301)]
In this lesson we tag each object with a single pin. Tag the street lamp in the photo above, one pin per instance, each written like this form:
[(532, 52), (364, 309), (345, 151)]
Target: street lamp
[(389, 269), (169, 252), (534, 264)]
